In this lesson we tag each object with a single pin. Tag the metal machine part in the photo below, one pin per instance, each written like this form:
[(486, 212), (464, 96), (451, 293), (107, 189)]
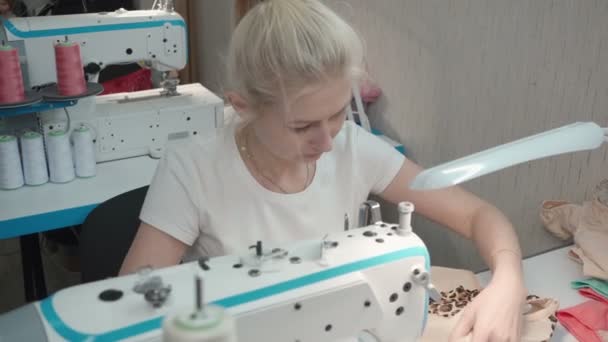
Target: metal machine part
[(169, 85), (369, 213), (152, 287)]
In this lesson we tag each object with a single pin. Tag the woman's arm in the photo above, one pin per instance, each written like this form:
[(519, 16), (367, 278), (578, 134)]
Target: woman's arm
[(152, 247), (464, 213), (495, 314)]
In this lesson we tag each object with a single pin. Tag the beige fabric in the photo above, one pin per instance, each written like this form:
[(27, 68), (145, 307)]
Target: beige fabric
[(538, 321), (587, 224)]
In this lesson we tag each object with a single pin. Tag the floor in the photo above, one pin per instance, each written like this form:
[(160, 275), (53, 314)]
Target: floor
[(11, 279)]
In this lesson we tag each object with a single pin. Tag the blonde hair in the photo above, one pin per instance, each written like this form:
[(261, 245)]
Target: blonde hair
[(281, 46)]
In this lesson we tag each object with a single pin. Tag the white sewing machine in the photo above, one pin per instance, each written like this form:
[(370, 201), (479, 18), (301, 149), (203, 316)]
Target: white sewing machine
[(140, 123), (128, 124), (372, 283), (157, 37)]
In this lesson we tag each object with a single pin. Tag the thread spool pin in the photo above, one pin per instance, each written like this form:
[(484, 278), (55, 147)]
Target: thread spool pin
[(405, 217)]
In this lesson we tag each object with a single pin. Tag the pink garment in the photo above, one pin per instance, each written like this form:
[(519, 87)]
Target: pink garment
[(591, 293), (588, 322)]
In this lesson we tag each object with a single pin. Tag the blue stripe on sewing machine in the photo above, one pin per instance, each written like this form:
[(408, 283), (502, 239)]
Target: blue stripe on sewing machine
[(53, 319), (88, 29)]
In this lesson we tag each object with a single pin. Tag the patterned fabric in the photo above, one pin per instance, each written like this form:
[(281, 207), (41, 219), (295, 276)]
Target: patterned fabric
[(458, 288)]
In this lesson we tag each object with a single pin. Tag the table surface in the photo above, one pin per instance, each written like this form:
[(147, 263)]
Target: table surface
[(31, 209), (549, 275)]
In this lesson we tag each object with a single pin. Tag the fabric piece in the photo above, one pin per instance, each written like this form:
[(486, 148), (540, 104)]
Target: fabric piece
[(449, 282), (203, 194), (592, 294), (598, 285), (588, 321), (459, 287), (560, 218), (587, 224), (135, 81)]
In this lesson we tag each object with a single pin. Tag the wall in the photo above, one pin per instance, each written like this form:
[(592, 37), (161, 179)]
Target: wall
[(463, 76), (213, 36)]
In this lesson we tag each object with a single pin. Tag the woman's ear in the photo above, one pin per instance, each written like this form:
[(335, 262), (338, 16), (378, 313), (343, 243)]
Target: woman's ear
[(238, 102)]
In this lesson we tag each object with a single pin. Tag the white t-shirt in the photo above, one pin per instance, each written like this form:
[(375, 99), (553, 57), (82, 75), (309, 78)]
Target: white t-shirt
[(203, 194)]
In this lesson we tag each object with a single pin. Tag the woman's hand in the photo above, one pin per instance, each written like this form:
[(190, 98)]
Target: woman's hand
[(495, 315)]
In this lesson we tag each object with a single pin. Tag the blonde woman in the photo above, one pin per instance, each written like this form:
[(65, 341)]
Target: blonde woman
[(291, 168)]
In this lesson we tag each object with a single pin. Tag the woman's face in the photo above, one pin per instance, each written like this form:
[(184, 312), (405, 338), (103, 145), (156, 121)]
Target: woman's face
[(303, 129)]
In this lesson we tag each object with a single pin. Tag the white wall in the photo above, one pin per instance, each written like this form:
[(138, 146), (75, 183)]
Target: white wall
[(213, 30), (461, 76)]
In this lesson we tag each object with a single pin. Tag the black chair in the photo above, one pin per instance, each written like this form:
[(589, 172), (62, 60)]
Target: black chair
[(107, 233)]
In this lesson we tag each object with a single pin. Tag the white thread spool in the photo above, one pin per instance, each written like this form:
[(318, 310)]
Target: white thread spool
[(84, 152), (214, 324), (11, 173), (34, 159), (59, 151)]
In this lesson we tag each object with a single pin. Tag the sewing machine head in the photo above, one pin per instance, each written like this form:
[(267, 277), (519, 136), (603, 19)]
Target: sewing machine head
[(366, 284), (157, 38), (127, 124)]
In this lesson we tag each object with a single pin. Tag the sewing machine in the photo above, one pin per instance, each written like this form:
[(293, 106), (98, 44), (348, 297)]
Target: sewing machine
[(140, 123), (370, 283), (158, 38), (127, 124)]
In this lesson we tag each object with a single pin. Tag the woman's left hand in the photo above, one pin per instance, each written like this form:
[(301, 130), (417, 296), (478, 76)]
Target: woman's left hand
[(495, 315)]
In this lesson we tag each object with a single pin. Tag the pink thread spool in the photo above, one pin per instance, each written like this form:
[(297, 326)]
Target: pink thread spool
[(11, 79), (70, 74)]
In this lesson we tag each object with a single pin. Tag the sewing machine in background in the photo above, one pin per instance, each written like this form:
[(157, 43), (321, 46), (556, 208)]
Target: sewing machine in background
[(127, 124), (370, 283), (139, 123)]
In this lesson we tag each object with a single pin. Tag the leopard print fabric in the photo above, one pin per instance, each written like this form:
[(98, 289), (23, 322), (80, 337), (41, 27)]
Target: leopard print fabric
[(551, 318), (452, 302)]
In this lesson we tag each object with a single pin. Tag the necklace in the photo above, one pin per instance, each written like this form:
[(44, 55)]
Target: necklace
[(244, 147)]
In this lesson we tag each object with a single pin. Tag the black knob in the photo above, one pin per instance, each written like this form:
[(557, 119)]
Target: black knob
[(258, 248), (92, 68)]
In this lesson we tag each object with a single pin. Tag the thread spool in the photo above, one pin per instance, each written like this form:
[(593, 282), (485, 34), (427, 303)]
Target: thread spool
[(11, 173), (34, 159), (207, 323), (70, 74), (84, 152), (11, 82), (59, 152), (214, 324)]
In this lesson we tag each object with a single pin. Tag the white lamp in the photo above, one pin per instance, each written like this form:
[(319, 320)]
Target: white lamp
[(578, 136)]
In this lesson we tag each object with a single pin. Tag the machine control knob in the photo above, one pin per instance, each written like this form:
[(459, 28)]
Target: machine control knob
[(423, 278), (152, 287), (158, 296), (92, 68)]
